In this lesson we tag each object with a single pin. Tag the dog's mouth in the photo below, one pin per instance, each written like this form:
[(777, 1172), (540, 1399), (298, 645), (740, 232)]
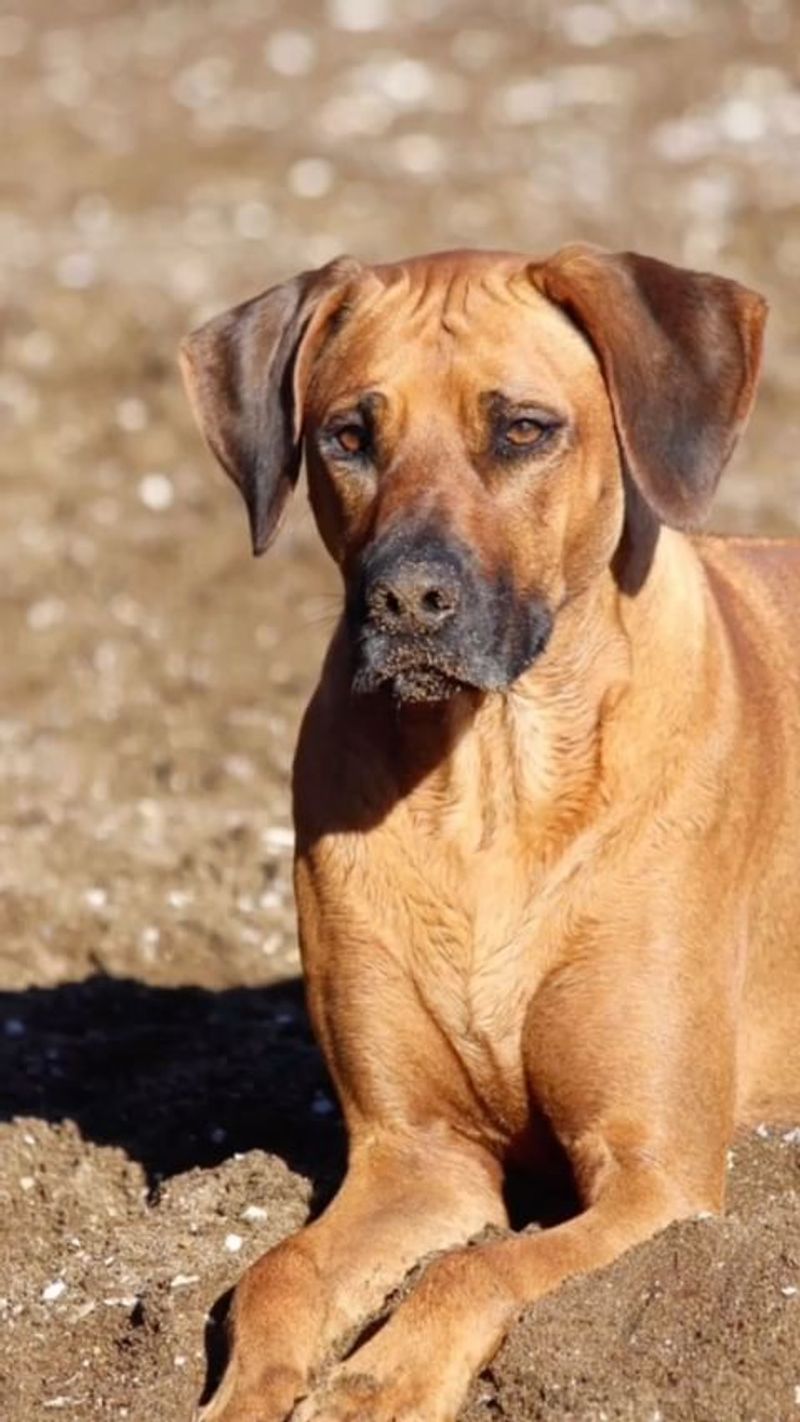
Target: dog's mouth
[(424, 669), (412, 675)]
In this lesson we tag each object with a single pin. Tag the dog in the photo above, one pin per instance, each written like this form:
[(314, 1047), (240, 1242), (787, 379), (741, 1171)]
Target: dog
[(545, 794)]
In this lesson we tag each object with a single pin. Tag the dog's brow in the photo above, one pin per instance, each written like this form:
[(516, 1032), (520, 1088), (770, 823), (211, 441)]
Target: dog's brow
[(497, 401), (369, 402)]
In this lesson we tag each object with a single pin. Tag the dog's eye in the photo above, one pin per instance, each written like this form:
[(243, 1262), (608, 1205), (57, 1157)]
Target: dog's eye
[(350, 439), (526, 432), (518, 436)]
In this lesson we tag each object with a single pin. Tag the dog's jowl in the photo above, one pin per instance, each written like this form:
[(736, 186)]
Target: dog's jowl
[(547, 792)]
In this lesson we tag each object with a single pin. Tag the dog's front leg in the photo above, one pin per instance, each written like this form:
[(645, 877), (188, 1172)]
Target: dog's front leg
[(638, 1088), (405, 1194), (419, 1366)]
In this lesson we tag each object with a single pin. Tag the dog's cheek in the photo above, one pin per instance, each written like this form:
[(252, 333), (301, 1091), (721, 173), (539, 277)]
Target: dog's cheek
[(340, 508), (595, 526), (528, 542)]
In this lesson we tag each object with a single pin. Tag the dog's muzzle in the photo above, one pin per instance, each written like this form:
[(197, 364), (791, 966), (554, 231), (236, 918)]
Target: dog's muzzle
[(426, 621)]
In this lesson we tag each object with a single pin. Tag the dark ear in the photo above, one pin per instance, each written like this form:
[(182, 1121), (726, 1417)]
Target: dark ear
[(680, 352), (244, 373)]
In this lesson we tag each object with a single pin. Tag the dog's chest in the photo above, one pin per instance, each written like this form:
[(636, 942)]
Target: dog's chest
[(475, 965), (482, 1014), (453, 895)]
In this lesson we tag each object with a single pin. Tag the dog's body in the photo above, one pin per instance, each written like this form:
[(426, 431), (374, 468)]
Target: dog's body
[(550, 839), (547, 858)]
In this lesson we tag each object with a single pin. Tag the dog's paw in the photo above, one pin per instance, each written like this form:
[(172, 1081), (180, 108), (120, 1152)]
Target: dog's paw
[(238, 1409), (358, 1397), (254, 1408), (270, 1399)]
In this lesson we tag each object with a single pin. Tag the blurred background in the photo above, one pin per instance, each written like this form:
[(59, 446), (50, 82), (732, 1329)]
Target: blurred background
[(160, 160)]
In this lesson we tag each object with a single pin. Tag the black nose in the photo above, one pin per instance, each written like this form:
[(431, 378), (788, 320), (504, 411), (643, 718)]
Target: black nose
[(413, 597)]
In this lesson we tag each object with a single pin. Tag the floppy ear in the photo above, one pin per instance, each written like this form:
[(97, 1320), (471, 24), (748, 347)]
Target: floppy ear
[(680, 352), (244, 373)]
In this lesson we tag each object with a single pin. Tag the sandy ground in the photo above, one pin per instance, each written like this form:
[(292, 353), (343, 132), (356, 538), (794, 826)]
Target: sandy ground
[(164, 1115)]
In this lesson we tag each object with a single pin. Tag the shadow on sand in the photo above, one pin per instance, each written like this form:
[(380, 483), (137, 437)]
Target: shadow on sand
[(177, 1077)]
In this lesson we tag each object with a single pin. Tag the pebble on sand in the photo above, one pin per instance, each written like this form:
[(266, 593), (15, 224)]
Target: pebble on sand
[(53, 1291), (254, 1213)]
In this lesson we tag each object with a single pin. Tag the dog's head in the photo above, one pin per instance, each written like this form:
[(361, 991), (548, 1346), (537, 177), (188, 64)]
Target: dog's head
[(471, 423)]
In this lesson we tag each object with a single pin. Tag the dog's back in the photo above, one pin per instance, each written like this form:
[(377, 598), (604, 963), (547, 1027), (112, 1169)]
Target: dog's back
[(756, 587)]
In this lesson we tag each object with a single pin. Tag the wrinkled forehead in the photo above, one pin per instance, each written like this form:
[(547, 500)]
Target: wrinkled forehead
[(476, 323)]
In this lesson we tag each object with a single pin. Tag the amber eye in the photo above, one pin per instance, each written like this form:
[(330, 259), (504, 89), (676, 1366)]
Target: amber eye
[(351, 439), (525, 432)]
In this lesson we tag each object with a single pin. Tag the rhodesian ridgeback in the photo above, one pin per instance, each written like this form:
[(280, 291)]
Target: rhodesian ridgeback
[(546, 795)]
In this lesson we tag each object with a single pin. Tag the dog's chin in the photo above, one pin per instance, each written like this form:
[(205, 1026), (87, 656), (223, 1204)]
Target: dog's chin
[(410, 684)]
